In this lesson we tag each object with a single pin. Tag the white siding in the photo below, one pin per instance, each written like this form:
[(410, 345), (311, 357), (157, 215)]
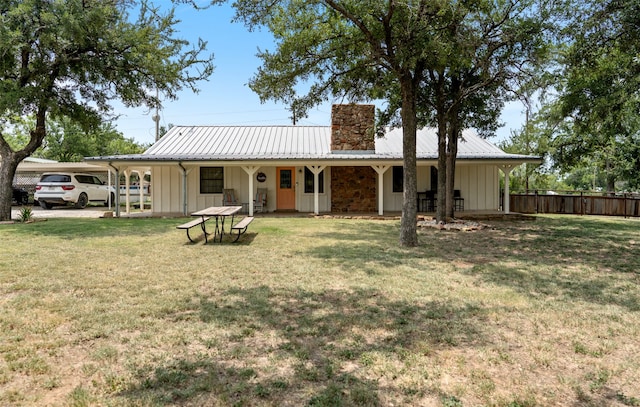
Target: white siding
[(166, 189), (478, 184)]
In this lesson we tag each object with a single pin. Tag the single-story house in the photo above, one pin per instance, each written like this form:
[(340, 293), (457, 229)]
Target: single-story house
[(339, 168)]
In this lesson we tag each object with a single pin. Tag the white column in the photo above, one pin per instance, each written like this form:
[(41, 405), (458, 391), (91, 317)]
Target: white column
[(250, 170), (506, 170), (381, 169), (109, 183), (316, 170), (185, 196), (126, 191), (140, 190)]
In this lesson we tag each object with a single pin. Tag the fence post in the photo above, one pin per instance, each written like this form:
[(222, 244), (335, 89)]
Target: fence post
[(625, 205), (536, 200)]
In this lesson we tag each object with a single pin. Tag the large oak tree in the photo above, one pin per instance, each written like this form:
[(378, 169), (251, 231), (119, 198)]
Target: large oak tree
[(445, 60), (71, 58)]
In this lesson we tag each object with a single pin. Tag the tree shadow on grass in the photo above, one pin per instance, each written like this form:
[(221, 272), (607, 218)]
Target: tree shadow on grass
[(568, 259), (322, 348)]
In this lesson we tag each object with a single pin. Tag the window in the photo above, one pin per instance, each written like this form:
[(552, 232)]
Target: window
[(211, 180), (398, 181), (308, 181)]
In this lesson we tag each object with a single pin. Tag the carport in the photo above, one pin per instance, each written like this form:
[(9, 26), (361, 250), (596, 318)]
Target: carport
[(29, 171)]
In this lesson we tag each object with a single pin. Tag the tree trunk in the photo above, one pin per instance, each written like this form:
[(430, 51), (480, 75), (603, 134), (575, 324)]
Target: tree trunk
[(408, 222), (453, 135), (611, 178), (452, 147), (441, 119), (8, 166), (9, 161)]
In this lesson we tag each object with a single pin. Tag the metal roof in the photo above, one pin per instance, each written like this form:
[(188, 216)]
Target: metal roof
[(244, 143)]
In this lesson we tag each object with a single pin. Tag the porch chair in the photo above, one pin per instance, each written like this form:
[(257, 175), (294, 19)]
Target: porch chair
[(229, 197), (260, 203), (458, 200), (429, 202)]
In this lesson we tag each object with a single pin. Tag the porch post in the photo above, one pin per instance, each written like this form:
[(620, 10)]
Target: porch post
[(506, 170), (250, 170), (185, 172), (140, 190), (381, 169), (109, 183), (316, 170), (117, 188), (127, 173)]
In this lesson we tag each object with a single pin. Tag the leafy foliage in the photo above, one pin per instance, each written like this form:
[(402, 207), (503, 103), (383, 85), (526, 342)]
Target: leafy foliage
[(444, 62), (71, 58), (67, 141), (596, 118)]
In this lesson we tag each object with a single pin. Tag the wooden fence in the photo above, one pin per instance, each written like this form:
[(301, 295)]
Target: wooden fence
[(627, 205)]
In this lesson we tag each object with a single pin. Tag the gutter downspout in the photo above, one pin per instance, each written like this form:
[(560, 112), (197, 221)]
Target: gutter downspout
[(184, 188), (117, 203)]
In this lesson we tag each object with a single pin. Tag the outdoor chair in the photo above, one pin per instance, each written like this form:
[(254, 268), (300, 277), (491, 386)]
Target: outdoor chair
[(229, 197), (260, 203), (429, 201), (458, 200)]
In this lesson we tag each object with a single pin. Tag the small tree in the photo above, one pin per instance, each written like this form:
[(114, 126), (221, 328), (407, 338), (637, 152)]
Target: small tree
[(71, 58)]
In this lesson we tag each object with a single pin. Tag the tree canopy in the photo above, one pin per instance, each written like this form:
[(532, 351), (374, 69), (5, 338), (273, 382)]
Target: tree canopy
[(71, 58), (595, 119), (67, 141), (356, 50), (447, 63)]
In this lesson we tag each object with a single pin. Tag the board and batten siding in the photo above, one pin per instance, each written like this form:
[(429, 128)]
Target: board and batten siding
[(166, 189), (479, 186)]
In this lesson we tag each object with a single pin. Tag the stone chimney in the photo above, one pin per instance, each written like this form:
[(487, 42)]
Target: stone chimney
[(353, 127)]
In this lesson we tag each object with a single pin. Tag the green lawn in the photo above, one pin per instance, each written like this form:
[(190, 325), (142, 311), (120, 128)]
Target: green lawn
[(320, 312)]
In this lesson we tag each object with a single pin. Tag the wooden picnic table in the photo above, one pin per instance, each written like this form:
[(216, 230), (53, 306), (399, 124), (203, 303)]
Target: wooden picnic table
[(220, 213)]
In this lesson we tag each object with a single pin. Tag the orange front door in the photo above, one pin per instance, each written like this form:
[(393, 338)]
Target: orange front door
[(286, 195)]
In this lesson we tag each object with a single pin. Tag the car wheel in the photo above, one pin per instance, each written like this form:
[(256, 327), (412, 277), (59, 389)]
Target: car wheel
[(113, 200), (83, 200), (45, 205), (25, 199)]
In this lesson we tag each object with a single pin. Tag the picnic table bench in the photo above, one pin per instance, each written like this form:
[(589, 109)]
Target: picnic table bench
[(241, 226), (199, 221)]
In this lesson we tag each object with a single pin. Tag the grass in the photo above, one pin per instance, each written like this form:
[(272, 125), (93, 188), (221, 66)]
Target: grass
[(320, 312)]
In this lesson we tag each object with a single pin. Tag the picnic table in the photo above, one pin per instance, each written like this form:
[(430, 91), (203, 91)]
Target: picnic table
[(220, 213)]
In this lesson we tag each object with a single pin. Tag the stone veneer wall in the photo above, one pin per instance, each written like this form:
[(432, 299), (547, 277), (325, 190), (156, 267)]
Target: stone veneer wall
[(352, 127), (353, 189)]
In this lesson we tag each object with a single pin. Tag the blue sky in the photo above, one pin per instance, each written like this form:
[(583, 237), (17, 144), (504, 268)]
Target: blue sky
[(225, 99)]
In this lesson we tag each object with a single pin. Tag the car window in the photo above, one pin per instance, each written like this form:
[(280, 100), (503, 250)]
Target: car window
[(84, 179), (55, 178), (97, 181)]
